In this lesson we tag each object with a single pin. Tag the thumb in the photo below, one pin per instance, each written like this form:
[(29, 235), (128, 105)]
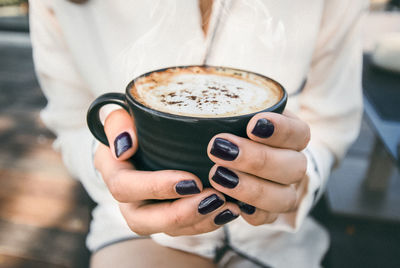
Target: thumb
[(120, 129)]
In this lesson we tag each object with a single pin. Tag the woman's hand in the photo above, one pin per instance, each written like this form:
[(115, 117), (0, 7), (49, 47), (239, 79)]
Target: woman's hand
[(145, 197), (266, 172)]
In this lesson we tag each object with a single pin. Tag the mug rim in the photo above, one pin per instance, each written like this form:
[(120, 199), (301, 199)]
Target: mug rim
[(140, 105)]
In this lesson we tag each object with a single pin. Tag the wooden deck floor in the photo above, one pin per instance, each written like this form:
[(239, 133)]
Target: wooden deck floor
[(44, 213)]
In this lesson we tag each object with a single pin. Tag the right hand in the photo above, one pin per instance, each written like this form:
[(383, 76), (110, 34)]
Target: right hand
[(137, 191)]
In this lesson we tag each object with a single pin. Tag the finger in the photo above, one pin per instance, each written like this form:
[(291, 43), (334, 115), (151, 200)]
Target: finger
[(252, 190), (105, 162), (129, 185), (170, 217), (121, 134), (282, 131), (220, 217), (134, 185), (258, 217), (279, 165)]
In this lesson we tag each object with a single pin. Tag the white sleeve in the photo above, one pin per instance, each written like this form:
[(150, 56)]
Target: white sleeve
[(331, 102), (68, 97)]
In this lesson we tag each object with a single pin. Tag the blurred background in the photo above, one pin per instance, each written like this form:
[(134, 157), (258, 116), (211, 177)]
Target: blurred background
[(45, 214)]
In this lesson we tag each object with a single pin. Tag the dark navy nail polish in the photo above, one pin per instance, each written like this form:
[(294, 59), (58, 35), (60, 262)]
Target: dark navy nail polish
[(225, 177), (246, 208), (264, 128), (122, 143), (187, 187), (225, 217), (210, 204), (224, 149)]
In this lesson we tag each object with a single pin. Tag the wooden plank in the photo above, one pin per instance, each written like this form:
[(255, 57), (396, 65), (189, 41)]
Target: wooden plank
[(39, 155), (8, 261), (43, 202), (41, 183), (48, 245), (37, 189), (44, 214)]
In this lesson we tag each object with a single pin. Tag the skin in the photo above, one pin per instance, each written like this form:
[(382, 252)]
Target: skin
[(145, 253), (271, 190)]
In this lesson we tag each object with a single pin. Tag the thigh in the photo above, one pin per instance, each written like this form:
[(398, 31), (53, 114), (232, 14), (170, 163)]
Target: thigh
[(145, 253)]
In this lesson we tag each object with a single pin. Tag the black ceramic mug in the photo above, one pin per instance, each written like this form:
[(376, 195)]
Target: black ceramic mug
[(179, 142)]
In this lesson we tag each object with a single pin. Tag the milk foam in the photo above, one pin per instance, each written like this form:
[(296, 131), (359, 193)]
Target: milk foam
[(206, 95)]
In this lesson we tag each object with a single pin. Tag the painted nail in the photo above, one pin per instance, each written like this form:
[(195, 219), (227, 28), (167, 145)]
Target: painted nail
[(264, 128), (225, 177), (224, 149), (246, 208), (187, 187), (225, 217), (210, 204), (122, 143)]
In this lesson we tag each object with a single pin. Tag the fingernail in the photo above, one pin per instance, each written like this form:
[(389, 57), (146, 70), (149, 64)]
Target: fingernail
[(209, 204), (187, 187), (225, 177), (246, 208), (224, 149), (264, 128), (122, 143), (225, 217)]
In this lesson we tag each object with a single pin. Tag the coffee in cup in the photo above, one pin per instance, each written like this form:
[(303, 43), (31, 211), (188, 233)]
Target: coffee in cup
[(205, 92), (178, 110)]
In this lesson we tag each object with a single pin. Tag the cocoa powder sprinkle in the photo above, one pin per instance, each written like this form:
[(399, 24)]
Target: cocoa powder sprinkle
[(232, 96), (174, 102)]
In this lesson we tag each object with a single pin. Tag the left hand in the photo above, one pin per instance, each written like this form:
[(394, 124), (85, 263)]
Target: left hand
[(266, 172)]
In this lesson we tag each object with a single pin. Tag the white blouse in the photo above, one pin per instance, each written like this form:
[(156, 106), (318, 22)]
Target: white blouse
[(82, 51)]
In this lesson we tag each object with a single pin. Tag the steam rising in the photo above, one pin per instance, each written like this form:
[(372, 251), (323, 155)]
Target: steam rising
[(245, 34)]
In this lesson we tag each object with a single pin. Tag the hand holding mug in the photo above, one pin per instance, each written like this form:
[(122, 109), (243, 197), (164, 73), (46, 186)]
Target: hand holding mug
[(174, 112), (265, 172), (178, 110), (169, 201)]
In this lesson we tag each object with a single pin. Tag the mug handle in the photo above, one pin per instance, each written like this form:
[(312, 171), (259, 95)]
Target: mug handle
[(93, 114)]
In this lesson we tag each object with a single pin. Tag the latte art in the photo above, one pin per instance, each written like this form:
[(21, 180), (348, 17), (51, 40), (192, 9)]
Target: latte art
[(205, 92)]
